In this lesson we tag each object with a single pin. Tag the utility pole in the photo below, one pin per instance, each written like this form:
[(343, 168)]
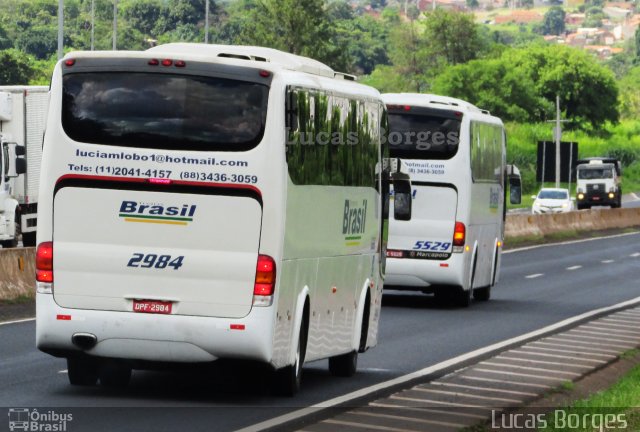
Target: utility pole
[(557, 136), (93, 21), (206, 22), (115, 24), (60, 28)]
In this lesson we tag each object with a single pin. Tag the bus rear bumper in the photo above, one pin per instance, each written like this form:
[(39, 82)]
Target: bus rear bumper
[(153, 337), (420, 274)]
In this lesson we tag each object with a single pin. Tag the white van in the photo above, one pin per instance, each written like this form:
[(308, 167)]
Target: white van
[(202, 202)]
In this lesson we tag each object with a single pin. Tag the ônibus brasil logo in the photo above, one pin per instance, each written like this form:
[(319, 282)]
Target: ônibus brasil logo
[(133, 211), (353, 221)]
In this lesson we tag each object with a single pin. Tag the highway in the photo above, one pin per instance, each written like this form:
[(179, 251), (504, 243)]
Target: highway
[(538, 287)]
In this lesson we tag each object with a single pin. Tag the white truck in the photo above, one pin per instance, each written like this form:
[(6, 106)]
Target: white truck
[(23, 112), (598, 182)]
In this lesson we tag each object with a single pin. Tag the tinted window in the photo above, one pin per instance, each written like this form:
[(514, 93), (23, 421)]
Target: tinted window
[(552, 194), (421, 134), (164, 111), (486, 152), (595, 173), (332, 139)]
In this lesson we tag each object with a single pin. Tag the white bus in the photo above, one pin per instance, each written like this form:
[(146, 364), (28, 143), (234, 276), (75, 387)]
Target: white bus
[(201, 202), (455, 154)]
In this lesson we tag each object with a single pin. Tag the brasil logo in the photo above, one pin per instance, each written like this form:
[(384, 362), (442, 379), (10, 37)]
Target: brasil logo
[(133, 211)]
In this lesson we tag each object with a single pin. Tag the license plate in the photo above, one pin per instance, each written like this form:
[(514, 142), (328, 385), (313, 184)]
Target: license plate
[(596, 198), (152, 306)]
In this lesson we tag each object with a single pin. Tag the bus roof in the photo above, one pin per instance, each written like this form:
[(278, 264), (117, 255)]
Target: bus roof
[(267, 58), (431, 101)]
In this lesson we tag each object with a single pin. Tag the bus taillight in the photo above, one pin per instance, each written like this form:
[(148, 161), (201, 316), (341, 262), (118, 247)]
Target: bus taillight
[(265, 281), (459, 234), (44, 262)]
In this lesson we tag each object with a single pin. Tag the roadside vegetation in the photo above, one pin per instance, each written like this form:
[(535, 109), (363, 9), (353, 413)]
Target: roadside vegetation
[(617, 402)]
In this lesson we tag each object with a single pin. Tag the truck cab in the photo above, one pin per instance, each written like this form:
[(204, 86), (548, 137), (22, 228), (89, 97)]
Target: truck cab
[(11, 166), (598, 183)]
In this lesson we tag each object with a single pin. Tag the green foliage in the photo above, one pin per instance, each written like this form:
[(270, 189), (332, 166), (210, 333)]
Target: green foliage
[(17, 67), (521, 85), (630, 94), (553, 22)]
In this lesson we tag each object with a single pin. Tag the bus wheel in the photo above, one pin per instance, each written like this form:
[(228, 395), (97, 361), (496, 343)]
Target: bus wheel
[(82, 371), (482, 294), (344, 365), (286, 381), (463, 297), (114, 374)]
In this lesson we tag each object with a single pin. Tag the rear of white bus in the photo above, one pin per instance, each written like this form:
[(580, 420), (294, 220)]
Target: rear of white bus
[(151, 244), (427, 252)]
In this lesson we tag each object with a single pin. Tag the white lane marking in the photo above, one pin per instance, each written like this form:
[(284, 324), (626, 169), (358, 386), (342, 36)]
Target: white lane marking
[(411, 419), (635, 255), (533, 276), (426, 410), (616, 323), (575, 267), (587, 340), (541, 362), (614, 331), (374, 370), (17, 321), (633, 314), (571, 350), (526, 248), (607, 261), (500, 381), (527, 368), (453, 404), (558, 356), (555, 379), (485, 389), (465, 395), (617, 338), (63, 371), (450, 363), (368, 426)]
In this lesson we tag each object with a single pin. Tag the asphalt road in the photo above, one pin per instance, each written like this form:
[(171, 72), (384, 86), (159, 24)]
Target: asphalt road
[(537, 287)]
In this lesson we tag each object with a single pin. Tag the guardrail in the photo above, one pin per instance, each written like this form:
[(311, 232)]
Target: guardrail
[(17, 266), (17, 273), (528, 225)]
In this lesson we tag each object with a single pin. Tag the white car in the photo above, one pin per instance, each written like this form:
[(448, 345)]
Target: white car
[(552, 200)]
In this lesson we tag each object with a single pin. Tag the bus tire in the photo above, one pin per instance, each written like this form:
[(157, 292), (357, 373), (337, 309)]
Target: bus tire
[(82, 371), (286, 381), (463, 297), (482, 294), (114, 374), (344, 365)]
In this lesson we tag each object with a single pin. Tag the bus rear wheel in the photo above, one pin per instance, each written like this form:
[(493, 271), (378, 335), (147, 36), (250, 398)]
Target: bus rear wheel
[(114, 374), (482, 294), (344, 365), (82, 371), (287, 381)]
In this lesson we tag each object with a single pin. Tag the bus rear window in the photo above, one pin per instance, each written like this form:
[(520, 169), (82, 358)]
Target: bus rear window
[(164, 111), (423, 134)]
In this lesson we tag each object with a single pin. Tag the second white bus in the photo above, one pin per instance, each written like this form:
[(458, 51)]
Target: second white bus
[(456, 157)]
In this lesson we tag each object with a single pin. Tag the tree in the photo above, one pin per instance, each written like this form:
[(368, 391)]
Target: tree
[(451, 37), (630, 94), (522, 85), (472, 4), (16, 68), (637, 42), (553, 22)]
